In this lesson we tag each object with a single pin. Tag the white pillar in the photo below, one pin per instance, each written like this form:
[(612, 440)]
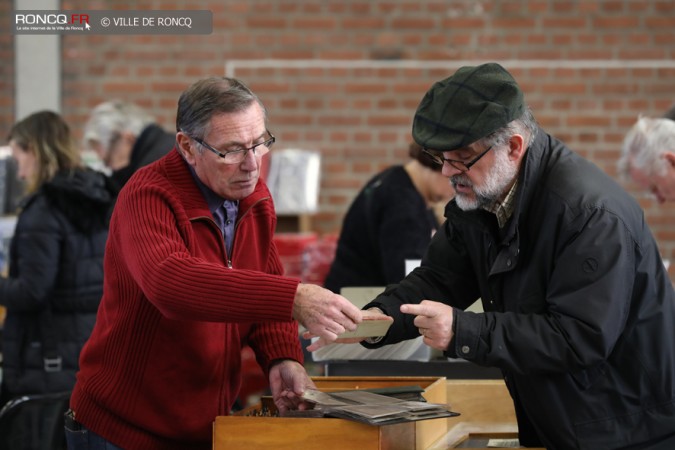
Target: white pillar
[(37, 66)]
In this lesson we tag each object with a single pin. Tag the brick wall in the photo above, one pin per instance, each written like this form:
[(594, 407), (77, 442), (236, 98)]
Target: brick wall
[(344, 77)]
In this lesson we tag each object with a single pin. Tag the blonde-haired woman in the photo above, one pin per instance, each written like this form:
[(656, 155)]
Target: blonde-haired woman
[(55, 277)]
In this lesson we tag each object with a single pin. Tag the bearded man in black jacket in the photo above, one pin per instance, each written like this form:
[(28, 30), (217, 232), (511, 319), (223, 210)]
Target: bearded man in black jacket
[(579, 312)]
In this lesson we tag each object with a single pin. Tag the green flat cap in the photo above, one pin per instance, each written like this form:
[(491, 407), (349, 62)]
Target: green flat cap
[(467, 106)]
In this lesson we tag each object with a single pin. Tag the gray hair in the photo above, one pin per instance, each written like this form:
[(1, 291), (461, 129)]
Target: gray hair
[(644, 144), (110, 119), (209, 97), (525, 125)]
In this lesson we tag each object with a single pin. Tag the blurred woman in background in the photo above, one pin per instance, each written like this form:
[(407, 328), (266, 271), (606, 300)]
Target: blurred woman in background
[(55, 276), (390, 221)]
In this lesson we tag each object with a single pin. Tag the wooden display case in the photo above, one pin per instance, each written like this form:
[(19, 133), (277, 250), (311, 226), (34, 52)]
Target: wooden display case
[(487, 413), (247, 432)]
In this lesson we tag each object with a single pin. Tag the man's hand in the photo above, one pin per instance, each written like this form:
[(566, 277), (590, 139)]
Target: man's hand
[(365, 314), (324, 313), (434, 321), (288, 381)]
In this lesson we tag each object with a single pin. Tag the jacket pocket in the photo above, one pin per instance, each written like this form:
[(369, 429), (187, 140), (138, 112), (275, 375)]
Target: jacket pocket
[(586, 378), (650, 427)]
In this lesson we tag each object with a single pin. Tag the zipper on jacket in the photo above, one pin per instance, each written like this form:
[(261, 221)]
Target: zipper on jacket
[(236, 225), (226, 257)]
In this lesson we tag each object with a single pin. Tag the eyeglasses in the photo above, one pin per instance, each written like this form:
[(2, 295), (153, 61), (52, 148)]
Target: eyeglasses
[(238, 156), (459, 165)]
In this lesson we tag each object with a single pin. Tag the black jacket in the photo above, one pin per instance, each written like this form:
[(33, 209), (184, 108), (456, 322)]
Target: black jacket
[(55, 281), (150, 145), (388, 222), (579, 310)]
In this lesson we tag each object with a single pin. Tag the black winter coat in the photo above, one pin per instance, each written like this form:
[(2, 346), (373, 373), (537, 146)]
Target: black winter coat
[(579, 310), (150, 145), (388, 222), (55, 281)]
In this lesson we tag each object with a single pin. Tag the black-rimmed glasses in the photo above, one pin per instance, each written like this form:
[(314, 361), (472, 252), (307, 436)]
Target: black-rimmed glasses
[(459, 165), (238, 156)]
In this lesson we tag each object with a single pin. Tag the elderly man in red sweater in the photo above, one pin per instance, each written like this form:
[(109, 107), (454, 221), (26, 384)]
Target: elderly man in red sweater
[(191, 275)]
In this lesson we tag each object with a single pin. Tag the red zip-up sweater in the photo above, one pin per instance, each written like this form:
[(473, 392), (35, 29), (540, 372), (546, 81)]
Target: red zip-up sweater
[(164, 357)]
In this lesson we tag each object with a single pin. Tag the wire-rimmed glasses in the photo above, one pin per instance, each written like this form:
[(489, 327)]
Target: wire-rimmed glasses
[(238, 156)]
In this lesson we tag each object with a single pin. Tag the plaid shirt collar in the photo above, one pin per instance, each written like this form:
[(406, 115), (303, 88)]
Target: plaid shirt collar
[(504, 210)]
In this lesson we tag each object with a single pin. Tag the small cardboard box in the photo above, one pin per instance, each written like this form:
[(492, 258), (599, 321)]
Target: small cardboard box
[(280, 433)]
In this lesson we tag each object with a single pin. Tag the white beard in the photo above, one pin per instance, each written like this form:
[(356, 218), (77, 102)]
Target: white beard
[(496, 181)]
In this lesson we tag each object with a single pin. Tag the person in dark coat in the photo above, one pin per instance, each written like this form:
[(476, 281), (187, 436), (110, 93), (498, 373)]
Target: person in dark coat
[(55, 279), (390, 221), (579, 312), (125, 138)]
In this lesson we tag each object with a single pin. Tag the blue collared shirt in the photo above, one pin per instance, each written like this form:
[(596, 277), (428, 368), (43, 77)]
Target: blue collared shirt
[(224, 211)]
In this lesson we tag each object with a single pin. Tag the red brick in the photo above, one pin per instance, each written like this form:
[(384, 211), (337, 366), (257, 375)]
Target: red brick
[(365, 88), (339, 121), (311, 23), (660, 22), (588, 121), (367, 23), (612, 6), (289, 119), (564, 88), (118, 88), (564, 22), (621, 22), (515, 22), (258, 21), (410, 23)]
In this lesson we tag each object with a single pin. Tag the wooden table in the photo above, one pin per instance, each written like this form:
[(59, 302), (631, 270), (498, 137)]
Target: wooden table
[(485, 407), (486, 412)]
